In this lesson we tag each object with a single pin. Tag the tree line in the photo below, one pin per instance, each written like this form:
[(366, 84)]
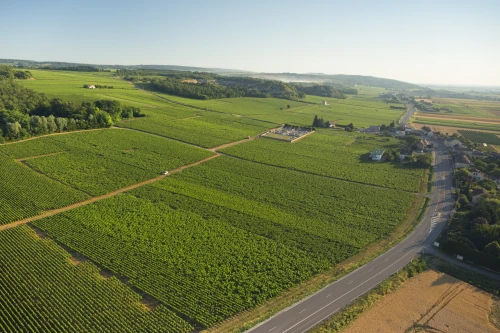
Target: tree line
[(9, 73), (319, 90)]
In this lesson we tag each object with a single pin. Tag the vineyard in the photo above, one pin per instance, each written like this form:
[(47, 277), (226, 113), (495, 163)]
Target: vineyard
[(25, 193), (206, 129), (216, 239), (481, 137), (98, 162), (42, 291), (333, 155)]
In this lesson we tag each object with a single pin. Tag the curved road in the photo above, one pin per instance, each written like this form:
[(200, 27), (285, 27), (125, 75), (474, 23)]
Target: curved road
[(309, 312)]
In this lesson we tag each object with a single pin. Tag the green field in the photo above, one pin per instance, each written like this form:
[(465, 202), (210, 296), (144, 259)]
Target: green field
[(97, 162), (333, 154), (25, 193), (481, 137), (468, 107), (41, 291), (202, 128), (456, 123), (362, 111), (225, 235)]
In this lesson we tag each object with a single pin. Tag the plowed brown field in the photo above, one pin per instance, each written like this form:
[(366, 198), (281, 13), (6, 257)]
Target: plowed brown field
[(430, 302)]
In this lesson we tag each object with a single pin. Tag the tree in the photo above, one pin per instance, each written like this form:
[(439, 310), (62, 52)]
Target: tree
[(62, 124), (411, 140), (493, 249), (424, 160), (13, 130), (103, 119), (51, 124), (426, 129), (462, 173), (392, 125)]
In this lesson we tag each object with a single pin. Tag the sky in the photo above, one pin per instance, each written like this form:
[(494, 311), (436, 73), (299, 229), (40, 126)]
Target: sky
[(435, 42)]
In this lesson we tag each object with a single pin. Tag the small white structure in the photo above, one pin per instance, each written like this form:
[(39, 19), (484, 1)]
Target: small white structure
[(164, 173), (476, 175), (453, 142), (91, 86), (400, 133), (324, 103), (376, 155)]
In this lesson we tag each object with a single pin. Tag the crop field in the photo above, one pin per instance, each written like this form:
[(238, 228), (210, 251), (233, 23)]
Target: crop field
[(97, 162), (216, 239), (25, 193), (481, 137), (456, 123), (469, 107), (333, 154), (41, 291), (206, 129), (429, 302)]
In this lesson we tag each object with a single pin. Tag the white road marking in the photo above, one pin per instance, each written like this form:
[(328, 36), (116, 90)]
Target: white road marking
[(370, 270), (302, 311), (351, 282), (272, 328), (328, 295)]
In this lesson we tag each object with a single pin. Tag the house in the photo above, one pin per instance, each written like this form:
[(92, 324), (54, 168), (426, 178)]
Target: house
[(417, 132), (477, 194), (372, 129), (324, 103), (376, 155), (430, 134), (476, 175), (404, 153), (453, 142), (422, 144), (400, 132), (91, 86), (462, 161)]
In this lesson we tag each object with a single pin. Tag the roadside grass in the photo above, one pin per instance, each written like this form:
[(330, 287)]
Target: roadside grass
[(247, 319)]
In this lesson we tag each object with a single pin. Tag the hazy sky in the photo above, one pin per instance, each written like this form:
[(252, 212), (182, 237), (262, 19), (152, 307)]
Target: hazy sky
[(439, 41)]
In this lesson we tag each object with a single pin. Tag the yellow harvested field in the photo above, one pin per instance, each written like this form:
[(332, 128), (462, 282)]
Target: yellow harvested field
[(430, 302), (423, 99)]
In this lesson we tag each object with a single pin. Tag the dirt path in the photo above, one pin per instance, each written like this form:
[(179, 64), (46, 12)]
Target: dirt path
[(102, 197), (38, 156)]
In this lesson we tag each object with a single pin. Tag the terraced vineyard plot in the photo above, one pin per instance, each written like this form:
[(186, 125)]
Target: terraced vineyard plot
[(25, 193), (333, 155), (98, 162), (206, 130), (205, 269), (481, 137), (227, 234), (42, 291)]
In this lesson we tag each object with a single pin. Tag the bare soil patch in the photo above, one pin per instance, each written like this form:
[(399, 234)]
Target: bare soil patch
[(430, 302), (424, 99), (129, 150)]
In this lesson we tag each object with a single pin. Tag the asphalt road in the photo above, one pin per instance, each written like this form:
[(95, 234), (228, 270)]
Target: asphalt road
[(406, 117), (309, 312)]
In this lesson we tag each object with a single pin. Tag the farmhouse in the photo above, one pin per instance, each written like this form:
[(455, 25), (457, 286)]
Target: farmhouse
[(400, 132), (404, 153), (91, 86), (462, 161), (477, 194), (324, 103), (376, 155)]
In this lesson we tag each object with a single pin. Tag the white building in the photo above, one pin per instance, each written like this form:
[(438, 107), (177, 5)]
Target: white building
[(376, 155), (91, 86), (324, 103)]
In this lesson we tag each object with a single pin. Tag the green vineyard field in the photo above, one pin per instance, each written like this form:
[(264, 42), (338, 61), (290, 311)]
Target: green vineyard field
[(41, 291), (481, 137)]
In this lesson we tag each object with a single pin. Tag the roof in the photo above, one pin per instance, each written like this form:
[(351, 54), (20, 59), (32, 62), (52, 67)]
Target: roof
[(377, 152), (477, 191), (462, 159), (373, 128), (476, 170)]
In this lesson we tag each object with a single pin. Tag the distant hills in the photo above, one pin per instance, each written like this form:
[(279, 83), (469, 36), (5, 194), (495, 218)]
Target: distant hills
[(327, 79)]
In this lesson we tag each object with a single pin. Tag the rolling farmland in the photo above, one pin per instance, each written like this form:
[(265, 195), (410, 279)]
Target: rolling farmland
[(41, 291), (209, 240)]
